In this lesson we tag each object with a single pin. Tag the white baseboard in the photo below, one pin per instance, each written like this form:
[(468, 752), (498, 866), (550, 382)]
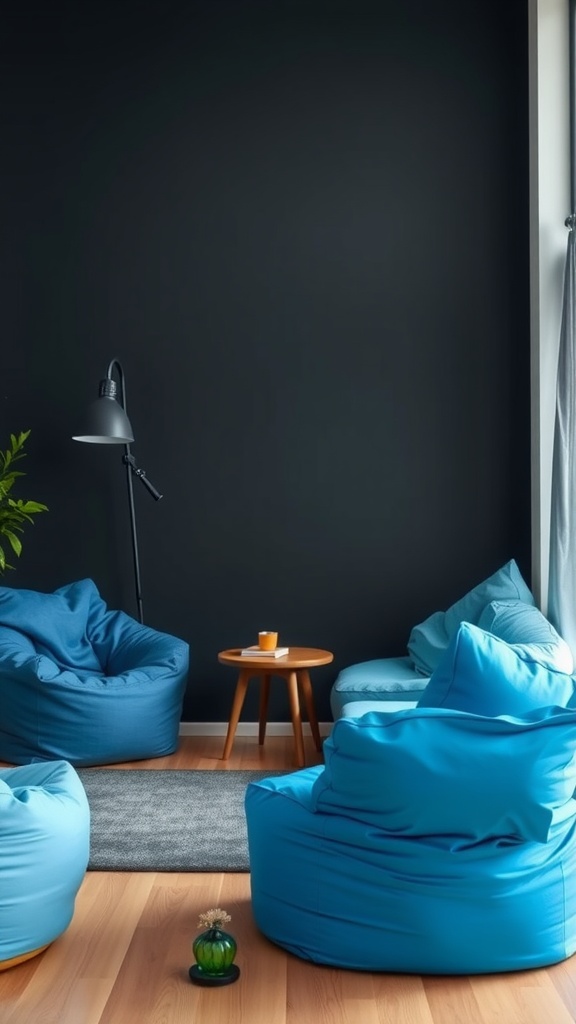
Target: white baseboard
[(248, 728)]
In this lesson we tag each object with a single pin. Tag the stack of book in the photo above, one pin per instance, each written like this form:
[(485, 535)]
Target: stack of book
[(257, 652)]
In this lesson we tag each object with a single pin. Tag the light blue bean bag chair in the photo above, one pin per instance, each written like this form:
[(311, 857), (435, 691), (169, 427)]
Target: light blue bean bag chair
[(502, 604), (440, 839), (85, 684), (44, 846)]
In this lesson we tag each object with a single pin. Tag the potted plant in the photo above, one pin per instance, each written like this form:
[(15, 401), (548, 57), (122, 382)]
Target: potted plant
[(214, 950), (14, 512)]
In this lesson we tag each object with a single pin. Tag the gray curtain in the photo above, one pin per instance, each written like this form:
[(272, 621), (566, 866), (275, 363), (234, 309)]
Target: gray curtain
[(562, 567), (562, 584)]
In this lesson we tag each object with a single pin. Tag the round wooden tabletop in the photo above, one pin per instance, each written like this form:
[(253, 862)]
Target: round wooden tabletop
[(297, 657)]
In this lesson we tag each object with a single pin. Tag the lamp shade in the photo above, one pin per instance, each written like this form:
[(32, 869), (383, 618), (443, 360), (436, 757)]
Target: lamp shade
[(106, 421)]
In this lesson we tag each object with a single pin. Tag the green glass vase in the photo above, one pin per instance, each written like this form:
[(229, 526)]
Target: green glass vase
[(214, 951)]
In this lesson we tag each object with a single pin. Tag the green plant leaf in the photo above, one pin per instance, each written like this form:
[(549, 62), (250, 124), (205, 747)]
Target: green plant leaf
[(9, 519), (11, 476), (15, 542), (19, 441), (14, 513), (8, 482), (30, 507)]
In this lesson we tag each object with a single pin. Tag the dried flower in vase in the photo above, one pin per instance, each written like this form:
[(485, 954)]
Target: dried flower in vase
[(214, 951), (214, 919)]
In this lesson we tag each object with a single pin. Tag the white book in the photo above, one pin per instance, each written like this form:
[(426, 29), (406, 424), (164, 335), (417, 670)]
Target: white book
[(256, 652)]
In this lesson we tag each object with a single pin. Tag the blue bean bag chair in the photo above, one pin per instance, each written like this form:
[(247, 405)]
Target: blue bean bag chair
[(435, 840), (502, 604), (85, 684), (44, 846)]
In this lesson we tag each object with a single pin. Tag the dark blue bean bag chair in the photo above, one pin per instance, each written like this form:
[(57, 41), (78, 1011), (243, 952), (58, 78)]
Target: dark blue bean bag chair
[(84, 684), (436, 840), (44, 846)]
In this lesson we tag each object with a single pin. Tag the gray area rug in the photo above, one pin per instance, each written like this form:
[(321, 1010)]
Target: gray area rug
[(168, 820)]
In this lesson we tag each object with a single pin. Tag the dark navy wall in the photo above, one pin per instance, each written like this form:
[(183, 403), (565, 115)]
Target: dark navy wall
[(303, 228)]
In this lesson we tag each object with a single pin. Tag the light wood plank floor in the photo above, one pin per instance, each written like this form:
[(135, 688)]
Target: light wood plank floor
[(125, 957)]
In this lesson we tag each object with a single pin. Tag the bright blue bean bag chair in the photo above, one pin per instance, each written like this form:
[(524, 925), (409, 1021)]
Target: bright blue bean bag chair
[(502, 604), (85, 684), (44, 846), (436, 840)]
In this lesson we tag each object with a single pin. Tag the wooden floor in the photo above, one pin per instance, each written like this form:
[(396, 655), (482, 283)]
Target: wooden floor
[(125, 956)]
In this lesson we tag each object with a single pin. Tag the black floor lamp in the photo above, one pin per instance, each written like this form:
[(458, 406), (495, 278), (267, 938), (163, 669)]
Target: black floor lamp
[(107, 423)]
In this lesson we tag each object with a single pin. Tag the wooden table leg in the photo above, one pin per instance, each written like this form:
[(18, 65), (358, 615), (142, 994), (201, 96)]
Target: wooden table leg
[(263, 714), (239, 695), (307, 693), (294, 699)]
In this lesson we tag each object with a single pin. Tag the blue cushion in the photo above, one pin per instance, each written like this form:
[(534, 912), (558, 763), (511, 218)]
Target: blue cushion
[(387, 679), (429, 639), (57, 623), (432, 772), (484, 675), (357, 708), (520, 623)]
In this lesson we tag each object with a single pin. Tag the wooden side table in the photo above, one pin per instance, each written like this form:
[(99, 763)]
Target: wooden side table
[(293, 667)]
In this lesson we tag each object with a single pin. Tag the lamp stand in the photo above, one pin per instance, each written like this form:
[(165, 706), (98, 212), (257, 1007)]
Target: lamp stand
[(129, 469), (108, 423)]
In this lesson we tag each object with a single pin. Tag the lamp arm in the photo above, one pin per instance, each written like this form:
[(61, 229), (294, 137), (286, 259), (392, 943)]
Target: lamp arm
[(116, 363), (129, 460)]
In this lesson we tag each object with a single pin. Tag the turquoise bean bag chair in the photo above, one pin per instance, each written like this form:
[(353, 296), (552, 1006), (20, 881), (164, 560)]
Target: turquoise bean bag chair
[(503, 604), (85, 684), (44, 846), (435, 840)]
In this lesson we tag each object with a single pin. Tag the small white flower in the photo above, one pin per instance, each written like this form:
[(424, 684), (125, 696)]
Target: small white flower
[(214, 918)]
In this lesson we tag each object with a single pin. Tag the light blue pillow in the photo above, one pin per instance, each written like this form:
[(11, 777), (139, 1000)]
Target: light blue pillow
[(484, 675), (519, 623), (436, 772), (429, 639)]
